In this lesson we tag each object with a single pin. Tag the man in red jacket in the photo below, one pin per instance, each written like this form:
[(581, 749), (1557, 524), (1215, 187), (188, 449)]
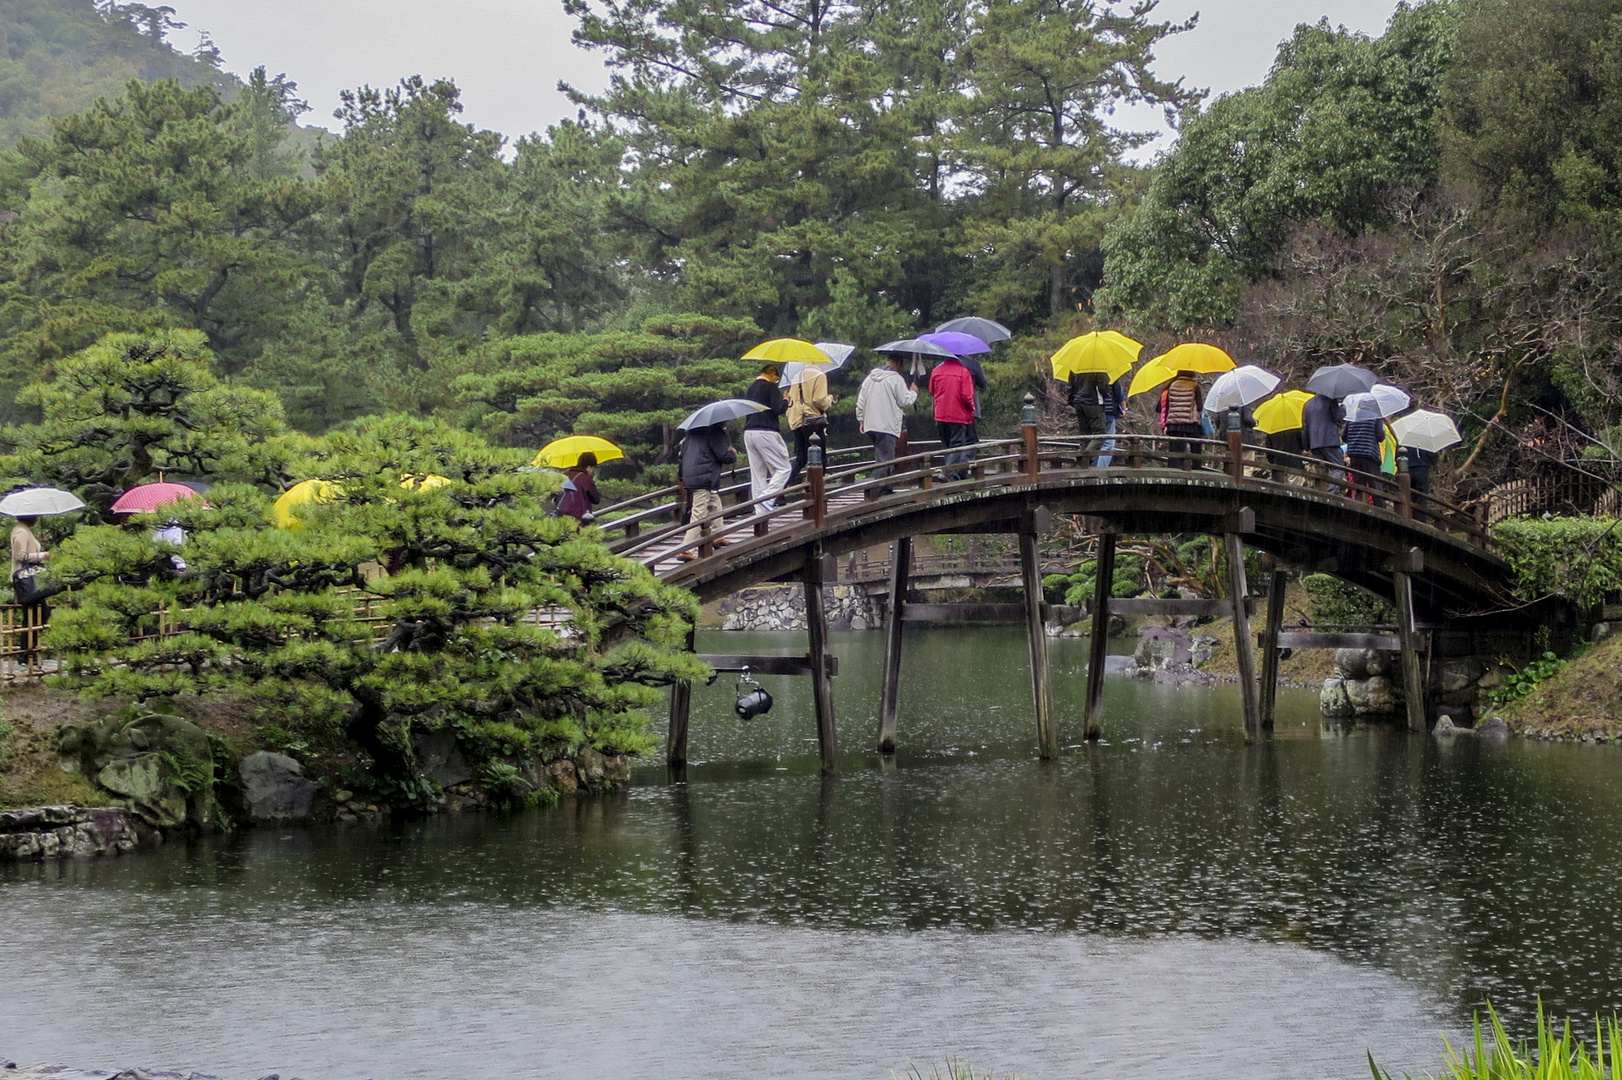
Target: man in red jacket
[(952, 387)]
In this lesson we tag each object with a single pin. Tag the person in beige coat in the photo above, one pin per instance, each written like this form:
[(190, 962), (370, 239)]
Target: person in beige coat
[(808, 405)]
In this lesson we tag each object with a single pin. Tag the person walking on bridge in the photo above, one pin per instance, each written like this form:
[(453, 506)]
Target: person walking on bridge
[(1180, 407), (769, 464), (952, 387), (1320, 434), (1363, 447), (705, 452), (1091, 394), (881, 415), (808, 405)]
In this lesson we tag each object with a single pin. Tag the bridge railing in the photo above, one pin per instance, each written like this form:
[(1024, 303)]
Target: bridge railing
[(655, 531)]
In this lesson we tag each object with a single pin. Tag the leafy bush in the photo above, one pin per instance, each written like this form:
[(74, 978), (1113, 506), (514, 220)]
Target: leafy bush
[(1334, 602), (1525, 680), (1577, 558)]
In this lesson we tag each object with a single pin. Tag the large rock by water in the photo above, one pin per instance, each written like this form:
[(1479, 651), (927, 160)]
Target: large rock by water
[(274, 788), (441, 759), (49, 832), (161, 766)]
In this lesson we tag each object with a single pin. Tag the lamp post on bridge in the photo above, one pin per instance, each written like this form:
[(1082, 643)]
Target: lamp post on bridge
[(1236, 446)]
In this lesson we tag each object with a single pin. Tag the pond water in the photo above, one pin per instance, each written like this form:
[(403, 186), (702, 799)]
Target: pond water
[(1168, 902)]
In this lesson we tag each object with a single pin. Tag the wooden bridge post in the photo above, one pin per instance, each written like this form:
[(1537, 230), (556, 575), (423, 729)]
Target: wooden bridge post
[(1244, 644), (822, 693), (1405, 485), (1236, 447), (1270, 658), (1413, 676), (890, 701), (1030, 565), (681, 705), (816, 492), (1098, 640), (1028, 433)]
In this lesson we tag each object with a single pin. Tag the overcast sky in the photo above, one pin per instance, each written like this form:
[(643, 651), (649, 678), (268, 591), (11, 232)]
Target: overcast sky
[(508, 55)]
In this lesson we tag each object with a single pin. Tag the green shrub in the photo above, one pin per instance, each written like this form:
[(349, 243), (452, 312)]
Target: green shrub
[(1335, 602), (1560, 1054), (1525, 680), (1579, 559), (6, 731)]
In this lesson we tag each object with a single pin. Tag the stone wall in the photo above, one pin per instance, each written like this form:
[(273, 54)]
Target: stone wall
[(782, 607), (48, 832)]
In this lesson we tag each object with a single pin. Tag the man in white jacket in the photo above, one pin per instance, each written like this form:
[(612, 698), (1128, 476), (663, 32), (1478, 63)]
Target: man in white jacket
[(881, 413)]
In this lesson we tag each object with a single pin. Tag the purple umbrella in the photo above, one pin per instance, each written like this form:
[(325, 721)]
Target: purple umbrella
[(958, 344)]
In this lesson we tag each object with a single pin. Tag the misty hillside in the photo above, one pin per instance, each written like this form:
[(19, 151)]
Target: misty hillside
[(57, 56)]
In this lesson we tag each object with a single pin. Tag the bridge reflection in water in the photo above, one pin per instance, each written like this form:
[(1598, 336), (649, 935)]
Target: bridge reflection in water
[(1434, 561)]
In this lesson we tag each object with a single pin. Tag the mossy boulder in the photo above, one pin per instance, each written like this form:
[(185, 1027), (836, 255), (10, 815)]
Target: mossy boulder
[(159, 765)]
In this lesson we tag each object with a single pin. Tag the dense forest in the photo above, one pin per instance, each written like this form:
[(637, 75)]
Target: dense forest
[(1440, 202)]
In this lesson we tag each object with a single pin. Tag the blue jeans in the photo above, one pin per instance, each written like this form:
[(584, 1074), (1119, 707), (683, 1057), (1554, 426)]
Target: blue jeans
[(1104, 459)]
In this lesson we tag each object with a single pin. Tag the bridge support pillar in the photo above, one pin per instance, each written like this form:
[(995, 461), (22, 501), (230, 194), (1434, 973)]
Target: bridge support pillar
[(822, 691), (1098, 639), (681, 705), (1413, 676), (1244, 645), (1030, 565), (890, 702), (1275, 620)]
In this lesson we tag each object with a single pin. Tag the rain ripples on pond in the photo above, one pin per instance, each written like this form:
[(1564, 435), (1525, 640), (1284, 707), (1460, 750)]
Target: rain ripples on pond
[(1168, 902)]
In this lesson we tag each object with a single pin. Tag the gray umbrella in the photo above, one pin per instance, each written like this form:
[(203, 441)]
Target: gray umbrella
[(914, 346), (40, 502), (719, 412), (987, 330), (1341, 381)]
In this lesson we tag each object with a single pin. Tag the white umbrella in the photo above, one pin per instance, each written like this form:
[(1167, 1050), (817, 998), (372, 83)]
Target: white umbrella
[(1363, 406), (1240, 387), (838, 352), (40, 502), (1392, 399), (719, 412), (1424, 429)]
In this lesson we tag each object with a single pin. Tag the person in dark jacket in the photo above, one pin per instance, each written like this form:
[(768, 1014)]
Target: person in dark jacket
[(1090, 395), (1420, 463), (978, 374), (1320, 433), (705, 453), (769, 463), (580, 490)]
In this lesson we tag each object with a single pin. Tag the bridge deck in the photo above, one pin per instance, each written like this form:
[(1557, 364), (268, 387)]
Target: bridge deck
[(1350, 524)]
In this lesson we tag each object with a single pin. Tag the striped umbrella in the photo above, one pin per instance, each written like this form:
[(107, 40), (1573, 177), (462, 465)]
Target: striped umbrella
[(145, 498)]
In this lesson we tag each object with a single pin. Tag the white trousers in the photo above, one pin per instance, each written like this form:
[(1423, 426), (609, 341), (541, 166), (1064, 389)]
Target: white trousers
[(769, 466)]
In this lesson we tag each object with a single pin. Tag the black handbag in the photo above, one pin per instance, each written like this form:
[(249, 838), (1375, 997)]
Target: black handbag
[(30, 589)]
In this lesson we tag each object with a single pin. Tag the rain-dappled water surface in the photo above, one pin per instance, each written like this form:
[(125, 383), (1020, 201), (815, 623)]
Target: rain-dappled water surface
[(1168, 902)]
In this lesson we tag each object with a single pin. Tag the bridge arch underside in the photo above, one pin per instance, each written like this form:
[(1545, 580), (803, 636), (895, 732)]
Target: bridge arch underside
[(1458, 584)]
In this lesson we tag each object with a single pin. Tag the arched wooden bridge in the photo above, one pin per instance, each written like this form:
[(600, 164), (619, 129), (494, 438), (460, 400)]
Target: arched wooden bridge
[(1435, 561)]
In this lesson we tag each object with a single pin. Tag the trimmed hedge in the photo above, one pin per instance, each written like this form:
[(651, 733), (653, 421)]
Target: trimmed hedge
[(1577, 558)]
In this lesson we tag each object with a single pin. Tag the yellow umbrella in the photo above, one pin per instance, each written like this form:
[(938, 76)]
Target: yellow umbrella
[(300, 494), (787, 350), (1281, 412), (565, 453), (425, 482), (1192, 356), (1102, 350)]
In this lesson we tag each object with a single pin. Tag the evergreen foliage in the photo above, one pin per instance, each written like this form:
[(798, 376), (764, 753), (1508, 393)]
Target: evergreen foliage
[(268, 610)]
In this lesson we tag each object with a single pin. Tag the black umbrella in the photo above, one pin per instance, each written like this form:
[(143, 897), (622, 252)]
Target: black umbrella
[(1341, 381), (987, 330)]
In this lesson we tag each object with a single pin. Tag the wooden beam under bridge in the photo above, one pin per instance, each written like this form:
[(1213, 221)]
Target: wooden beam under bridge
[(767, 665)]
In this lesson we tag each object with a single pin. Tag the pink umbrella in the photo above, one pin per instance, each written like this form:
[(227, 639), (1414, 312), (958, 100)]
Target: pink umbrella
[(957, 343), (145, 498)]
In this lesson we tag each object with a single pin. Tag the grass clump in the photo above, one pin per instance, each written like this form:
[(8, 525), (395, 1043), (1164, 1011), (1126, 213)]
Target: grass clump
[(953, 1070), (1560, 1053)]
